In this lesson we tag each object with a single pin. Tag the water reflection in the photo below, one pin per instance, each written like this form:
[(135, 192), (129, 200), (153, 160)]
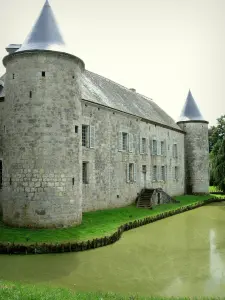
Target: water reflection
[(180, 256)]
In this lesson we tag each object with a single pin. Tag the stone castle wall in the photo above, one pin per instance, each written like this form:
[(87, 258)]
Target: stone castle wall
[(107, 166), (196, 156), (41, 151)]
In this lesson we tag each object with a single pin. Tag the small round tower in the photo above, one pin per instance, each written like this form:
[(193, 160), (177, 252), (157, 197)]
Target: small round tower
[(196, 147), (42, 153)]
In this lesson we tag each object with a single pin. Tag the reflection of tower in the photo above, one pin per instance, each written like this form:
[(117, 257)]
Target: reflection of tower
[(196, 147), (41, 152)]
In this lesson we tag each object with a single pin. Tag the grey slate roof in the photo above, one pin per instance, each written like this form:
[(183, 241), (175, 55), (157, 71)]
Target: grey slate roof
[(45, 34), (106, 92), (100, 90), (190, 111)]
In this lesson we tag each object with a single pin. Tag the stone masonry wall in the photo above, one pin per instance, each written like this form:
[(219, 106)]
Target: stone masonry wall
[(41, 151), (196, 156), (107, 185)]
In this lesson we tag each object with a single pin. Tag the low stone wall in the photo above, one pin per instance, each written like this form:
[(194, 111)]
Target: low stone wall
[(11, 248)]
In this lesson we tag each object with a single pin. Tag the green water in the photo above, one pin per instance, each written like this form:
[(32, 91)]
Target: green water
[(182, 255)]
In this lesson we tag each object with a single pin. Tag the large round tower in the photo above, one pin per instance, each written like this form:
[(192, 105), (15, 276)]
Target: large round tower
[(41, 148), (196, 148)]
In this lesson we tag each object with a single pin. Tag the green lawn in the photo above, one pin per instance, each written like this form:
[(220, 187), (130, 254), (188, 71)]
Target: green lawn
[(95, 224), (16, 291)]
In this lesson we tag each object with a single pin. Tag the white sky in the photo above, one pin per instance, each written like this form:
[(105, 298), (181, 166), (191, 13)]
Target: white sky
[(159, 47)]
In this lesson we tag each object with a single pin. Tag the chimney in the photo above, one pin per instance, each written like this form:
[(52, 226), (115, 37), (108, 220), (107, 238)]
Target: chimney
[(13, 48)]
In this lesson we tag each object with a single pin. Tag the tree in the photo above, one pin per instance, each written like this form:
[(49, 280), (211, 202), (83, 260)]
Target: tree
[(216, 133), (217, 157)]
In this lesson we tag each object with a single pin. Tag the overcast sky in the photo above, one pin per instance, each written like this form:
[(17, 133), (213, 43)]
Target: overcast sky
[(159, 47)]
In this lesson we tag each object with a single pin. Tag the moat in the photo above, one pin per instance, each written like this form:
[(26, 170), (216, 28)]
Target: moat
[(183, 255)]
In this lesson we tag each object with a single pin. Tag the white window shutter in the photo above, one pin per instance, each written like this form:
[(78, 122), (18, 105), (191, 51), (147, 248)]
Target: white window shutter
[(165, 173), (151, 146), (135, 172), (165, 148), (146, 146), (131, 142), (158, 147), (140, 145), (120, 141), (128, 173), (92, 136), (157, 173)]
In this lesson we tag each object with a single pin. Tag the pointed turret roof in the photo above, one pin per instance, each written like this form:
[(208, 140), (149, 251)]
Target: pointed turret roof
[(190, 111), (45, 34)]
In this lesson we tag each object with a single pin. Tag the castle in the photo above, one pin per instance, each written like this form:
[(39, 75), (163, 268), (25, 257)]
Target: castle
[(73, 141)]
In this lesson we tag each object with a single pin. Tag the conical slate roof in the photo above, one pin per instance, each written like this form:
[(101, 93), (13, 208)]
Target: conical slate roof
[(190, 111), (45, 34)]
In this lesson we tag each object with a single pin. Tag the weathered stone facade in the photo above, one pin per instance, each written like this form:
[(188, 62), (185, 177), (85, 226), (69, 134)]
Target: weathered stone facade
[(41, 152), (107, 183), (196, 156)]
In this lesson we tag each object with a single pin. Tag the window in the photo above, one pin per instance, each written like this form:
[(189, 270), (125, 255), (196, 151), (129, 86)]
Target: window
[(76, 129), (143, 148), (30, 94), (124, 141), (88, 136), (163, 173), (85, 135), (43, 73), (176, 173), (131, 172), (154, 147), (0, 174), (144, 169), (162, 148), (85, 172), (13, 76), (154, 173), (175, 153)]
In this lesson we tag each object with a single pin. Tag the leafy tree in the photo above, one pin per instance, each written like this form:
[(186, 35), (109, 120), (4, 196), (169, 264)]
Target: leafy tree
[(216, 133), (217, 157)]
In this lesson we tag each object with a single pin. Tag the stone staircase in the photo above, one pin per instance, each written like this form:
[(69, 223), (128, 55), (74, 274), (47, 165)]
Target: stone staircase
[(144, 199)]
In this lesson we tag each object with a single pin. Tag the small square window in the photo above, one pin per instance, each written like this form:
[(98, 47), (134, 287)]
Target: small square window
[(76, 129), (30, 94), (13, 76), (43, 73), (144, 169)]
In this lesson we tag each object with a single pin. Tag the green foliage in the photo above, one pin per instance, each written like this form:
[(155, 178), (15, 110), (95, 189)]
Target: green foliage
[(94, 224), (216, 137), (16, 291), (217, 157), (216, 133)]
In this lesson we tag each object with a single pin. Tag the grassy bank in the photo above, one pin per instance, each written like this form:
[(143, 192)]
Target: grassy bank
[(16, 291), (94, 224)]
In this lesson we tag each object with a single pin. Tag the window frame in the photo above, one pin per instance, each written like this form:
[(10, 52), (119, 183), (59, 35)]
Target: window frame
[(85, 179)]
